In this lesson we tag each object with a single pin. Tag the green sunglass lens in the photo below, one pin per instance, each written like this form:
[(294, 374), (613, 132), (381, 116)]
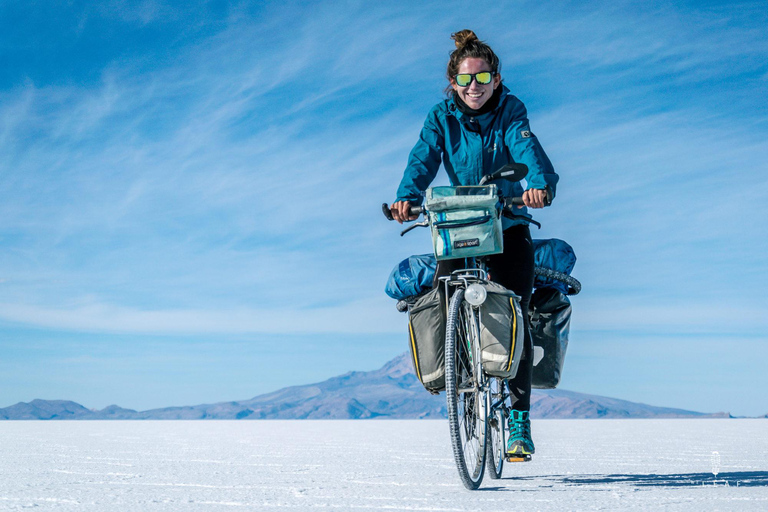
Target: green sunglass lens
[(483, 78), (463, 80)]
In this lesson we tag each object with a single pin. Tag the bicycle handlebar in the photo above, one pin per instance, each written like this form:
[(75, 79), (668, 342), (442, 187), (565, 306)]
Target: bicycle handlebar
[(414, 211), (509, 202), (518, 201)]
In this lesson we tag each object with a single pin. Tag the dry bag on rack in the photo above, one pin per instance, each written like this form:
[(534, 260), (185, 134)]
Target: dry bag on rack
[(501, 331), (464, 221), (426, 337), (411, 277)]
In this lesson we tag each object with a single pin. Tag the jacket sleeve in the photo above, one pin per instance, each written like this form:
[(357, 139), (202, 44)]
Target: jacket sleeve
[(526, 149), (423, 162)]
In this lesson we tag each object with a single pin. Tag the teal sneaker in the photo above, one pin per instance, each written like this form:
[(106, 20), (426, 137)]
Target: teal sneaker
[(519, 444)]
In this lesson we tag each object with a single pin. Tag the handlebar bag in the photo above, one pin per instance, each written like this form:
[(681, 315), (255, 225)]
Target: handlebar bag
[(464, 221), (550, 320), (501, 331), (426, 339)]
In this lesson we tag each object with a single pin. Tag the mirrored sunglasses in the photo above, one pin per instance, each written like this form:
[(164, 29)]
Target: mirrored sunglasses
[(483, 78)]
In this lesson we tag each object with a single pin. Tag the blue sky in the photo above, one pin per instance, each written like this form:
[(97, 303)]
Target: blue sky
[(189, 192)]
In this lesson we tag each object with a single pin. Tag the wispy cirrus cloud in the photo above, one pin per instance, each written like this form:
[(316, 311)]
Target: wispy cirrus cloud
[(196, 209)]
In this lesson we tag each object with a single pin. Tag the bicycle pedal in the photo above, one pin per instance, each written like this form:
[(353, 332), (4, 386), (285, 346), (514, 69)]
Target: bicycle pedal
[(518, 458)]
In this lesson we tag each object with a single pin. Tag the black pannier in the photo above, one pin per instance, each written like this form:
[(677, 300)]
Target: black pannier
[(550, 319)]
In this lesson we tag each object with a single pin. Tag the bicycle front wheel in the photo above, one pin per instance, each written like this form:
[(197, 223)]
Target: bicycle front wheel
[(465, 396)]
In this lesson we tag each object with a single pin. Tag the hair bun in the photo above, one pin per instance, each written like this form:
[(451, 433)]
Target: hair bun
[(464, 37)]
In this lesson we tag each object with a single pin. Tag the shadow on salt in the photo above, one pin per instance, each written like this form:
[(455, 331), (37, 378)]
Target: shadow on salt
[(730, 479)]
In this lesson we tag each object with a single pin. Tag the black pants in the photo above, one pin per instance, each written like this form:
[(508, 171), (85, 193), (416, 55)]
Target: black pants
[(513, 269)]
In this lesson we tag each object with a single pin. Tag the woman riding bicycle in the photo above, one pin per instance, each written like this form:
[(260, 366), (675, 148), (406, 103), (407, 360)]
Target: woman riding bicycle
[(477, 130)]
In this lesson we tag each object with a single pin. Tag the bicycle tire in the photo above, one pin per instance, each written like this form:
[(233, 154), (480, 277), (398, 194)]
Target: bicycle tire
[(574, 286), (466, 401), (496, 452)]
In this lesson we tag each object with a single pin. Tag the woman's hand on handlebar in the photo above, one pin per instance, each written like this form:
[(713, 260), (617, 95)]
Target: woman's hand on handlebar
[(535, 198), (401, 211)]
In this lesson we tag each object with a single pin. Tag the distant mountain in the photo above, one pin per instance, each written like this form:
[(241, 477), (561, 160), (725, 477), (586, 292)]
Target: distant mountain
[(46, 410), (557, 403), (392, 391)]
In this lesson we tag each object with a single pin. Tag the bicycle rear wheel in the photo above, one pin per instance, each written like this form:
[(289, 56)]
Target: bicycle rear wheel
[(466, 400), (494, 458)]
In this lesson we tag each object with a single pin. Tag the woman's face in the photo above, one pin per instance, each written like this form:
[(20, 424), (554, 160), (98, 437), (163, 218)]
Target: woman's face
[(475, 95)]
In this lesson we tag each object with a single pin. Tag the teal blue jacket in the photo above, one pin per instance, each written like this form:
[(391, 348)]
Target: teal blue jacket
[(471, 147)]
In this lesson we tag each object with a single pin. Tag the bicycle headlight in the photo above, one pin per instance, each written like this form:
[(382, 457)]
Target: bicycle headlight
[(475, 294)]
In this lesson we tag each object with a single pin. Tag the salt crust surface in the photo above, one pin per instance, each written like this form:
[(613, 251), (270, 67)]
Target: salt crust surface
[(376, 465)]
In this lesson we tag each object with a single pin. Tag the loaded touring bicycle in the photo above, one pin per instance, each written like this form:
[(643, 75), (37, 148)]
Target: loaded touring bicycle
[(466, 332)]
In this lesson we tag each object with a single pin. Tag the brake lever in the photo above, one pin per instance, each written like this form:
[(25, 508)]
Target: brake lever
[(421, 224), (508, 213)]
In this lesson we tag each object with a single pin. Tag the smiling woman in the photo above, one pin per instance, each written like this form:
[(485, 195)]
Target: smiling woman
[(480, 128)]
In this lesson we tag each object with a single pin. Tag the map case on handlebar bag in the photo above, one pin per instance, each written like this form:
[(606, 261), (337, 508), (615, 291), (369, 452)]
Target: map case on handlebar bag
[(464, 221)]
